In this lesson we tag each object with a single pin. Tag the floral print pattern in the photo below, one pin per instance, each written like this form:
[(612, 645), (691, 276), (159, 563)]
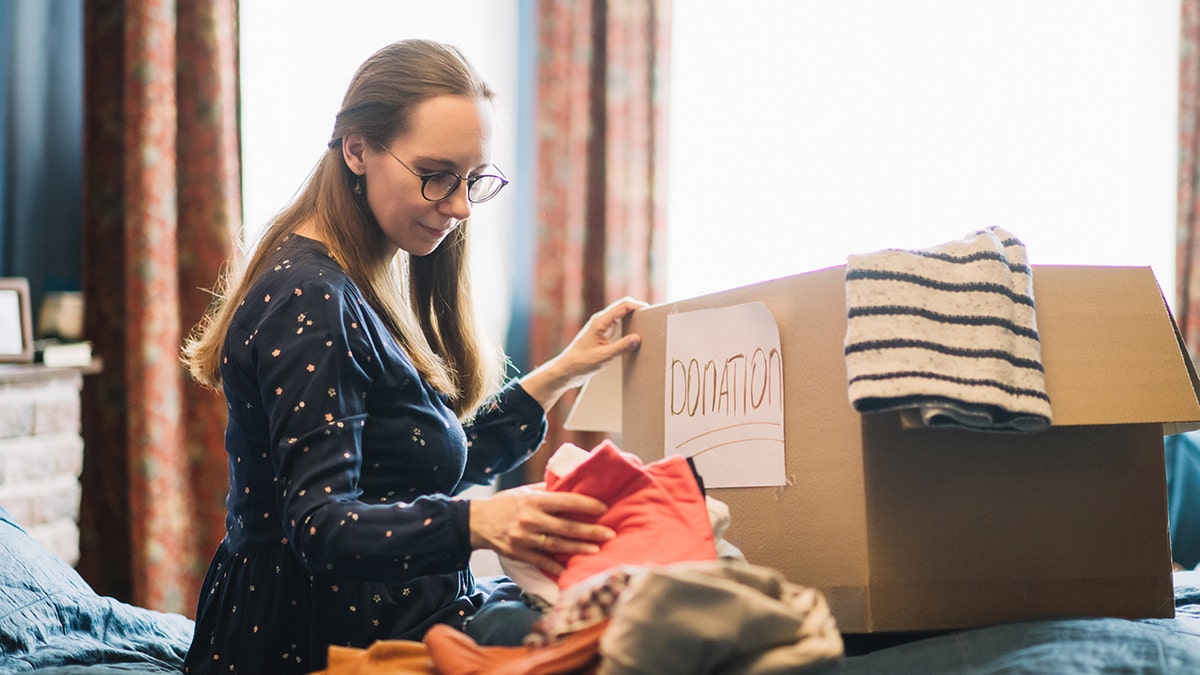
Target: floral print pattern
[(161, 211), (342, 461), (601, 175)]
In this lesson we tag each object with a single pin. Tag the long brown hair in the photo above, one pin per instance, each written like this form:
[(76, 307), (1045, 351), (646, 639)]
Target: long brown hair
[(424, 300)]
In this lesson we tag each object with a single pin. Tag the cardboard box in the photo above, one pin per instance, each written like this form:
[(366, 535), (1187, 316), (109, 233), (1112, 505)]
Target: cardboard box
[(931, 529)]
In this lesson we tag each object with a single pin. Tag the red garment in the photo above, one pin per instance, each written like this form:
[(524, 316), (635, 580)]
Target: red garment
[(657, 510)]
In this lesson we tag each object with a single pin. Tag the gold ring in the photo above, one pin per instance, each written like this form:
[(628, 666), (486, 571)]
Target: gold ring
[(542, 543)]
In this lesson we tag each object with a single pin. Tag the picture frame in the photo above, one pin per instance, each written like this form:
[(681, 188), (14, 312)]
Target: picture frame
[(16, 321)]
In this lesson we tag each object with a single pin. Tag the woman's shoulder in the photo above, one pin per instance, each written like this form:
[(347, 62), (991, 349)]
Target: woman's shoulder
[(299, 263), (300, 276)]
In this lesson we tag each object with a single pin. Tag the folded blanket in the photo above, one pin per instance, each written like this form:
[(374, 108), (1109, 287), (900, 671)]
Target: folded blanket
[(948, 331), (51, 620)]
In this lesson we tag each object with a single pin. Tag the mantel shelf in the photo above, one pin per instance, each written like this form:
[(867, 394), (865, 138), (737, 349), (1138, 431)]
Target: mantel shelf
[(15, 372)]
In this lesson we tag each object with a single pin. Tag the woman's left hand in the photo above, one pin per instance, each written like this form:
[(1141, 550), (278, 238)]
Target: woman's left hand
[(531, 524), (593, 347)]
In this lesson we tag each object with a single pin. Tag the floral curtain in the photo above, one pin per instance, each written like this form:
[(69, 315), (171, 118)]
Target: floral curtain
[(1187, 229), (601, 174), (161, 209)]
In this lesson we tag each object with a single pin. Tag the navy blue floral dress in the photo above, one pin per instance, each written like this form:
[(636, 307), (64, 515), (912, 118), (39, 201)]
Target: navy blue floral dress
[(340, 528)]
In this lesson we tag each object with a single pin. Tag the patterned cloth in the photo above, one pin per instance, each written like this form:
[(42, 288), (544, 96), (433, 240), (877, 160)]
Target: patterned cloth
[(949, 331), (159, 230), (340, 529), (581, 606)]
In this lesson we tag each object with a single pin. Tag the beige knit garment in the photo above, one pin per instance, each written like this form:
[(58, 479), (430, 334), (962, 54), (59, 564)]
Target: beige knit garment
[(717, 617), (949, 331)]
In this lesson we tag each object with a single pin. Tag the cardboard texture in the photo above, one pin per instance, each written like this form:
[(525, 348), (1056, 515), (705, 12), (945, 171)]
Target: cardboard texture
[(931, 529)]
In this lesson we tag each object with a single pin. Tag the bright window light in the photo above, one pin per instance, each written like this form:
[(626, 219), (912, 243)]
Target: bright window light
[(802, 131)]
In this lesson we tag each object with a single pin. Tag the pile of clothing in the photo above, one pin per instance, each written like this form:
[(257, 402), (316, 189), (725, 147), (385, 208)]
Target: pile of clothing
[(667, 595)]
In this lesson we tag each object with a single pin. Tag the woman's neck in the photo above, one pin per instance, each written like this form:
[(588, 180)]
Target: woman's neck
[(310, 230)]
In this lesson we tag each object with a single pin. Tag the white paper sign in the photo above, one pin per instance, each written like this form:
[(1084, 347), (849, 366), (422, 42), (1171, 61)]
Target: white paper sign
[(724, 394)]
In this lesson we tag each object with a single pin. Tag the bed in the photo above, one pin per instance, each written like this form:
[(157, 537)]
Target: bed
[(52, 622), (1084, 646)]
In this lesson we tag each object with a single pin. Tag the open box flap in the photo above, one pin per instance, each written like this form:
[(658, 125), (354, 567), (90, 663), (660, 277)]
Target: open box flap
[(1111, 350), (598, 405), (1182, 427)]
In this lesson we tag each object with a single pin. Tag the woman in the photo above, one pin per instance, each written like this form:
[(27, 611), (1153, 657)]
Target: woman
[(361, 396)]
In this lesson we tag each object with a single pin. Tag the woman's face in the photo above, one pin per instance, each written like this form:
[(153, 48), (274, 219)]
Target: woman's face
[(448, 133)]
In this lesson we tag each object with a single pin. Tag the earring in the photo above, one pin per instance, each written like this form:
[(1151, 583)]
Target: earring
[(358, 185)]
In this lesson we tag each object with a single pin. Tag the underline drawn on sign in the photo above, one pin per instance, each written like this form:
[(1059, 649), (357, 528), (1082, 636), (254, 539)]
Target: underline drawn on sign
[(713, 446), (740, 440), (724, 394)]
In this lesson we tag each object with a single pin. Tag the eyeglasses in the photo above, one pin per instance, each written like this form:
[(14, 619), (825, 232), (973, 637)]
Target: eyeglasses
[(438, 185)]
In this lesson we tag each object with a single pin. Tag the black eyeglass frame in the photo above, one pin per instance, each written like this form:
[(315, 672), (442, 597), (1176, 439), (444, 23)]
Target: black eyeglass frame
[(459, 180)]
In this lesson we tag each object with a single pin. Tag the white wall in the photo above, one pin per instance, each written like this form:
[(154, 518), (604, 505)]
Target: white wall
[(806, 130), (297, 57)]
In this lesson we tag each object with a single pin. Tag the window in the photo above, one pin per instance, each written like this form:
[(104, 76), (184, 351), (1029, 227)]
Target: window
[(803, 131), (806, 130)]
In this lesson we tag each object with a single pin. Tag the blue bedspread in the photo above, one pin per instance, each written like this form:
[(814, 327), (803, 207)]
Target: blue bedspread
[(1076, 646), (51, 621)]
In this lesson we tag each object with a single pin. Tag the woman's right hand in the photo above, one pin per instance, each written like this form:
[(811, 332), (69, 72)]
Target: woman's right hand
[(533, 525), (596, 344)]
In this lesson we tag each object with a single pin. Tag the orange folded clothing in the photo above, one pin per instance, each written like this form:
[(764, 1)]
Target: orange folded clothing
[(455, 653), (384, 657)]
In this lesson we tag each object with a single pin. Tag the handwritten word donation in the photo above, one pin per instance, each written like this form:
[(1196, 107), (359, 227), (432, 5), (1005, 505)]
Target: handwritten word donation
[(724, 394)]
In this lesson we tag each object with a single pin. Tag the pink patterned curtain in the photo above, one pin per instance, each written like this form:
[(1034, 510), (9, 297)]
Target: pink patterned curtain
[(601, 176), (1187, 229), (162, 205)]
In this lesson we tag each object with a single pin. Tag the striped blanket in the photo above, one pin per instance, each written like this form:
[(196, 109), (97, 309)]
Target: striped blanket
[(948, 332)]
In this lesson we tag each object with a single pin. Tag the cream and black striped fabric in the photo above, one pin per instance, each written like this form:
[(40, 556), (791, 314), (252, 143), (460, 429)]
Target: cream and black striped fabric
[(949, 332)]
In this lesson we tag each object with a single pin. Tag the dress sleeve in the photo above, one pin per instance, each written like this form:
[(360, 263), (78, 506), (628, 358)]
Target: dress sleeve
[(505, 432), (314, 360)]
